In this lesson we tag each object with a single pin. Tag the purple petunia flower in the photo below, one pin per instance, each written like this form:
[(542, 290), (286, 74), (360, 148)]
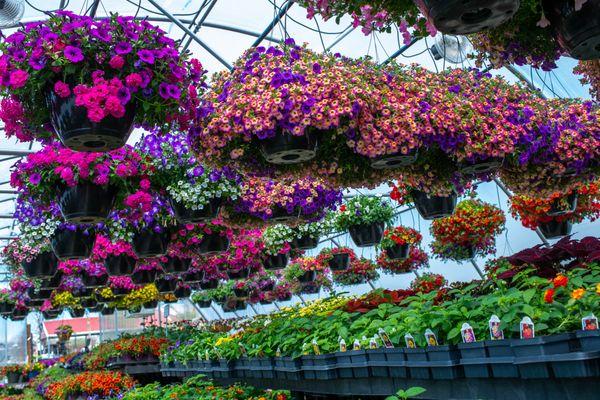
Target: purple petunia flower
[(174, 91), (454, 89), (73, 54), (163, 90), (35, 179), (146, 56), (123, 48)]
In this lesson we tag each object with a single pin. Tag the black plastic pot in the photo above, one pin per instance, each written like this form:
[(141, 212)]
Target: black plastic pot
[(237, 275), (367, 235), (394, 366), (308, 276), (213, 243), (182, 292), (393, 161), (558, 207), (73, 244), (6, 308), (481, 167), (175, 265), (304, 243), (233, 304), (575, 365), (577, 32), (94, 281), (44, 265), (398, 252), (166, 285), (19, 314), (119, 265), (151, 304), (433, 207), (98, 309), (462, 17), (35, 302), (51, 314), (352, 364), (444, 362), (555, 229), (13, 377), (194, 276), (54, 282), (417, 364), (589, 340), (281, 215), (78, 133), (135, 310), (121, 291), (288, 368), (224, 369), (474, 359), (204, 303), (285, 148), (321, 367), (87, 203), (240, 292), (150, 244), (77, 312), (265, 302), (143, 277), (469, 253), (530, 353), (309, 288), (41, 294), (209, 284), (339, 262), (187, 216), (278, 261), (89, 303)]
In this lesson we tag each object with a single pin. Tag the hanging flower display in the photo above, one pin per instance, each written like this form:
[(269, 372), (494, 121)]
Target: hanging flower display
[(590, 75), (361, 270), (337, 258), (110, 73), (470, 231), (303, 270), (428, 282), (416, 259), (398, 241), (365, 218)]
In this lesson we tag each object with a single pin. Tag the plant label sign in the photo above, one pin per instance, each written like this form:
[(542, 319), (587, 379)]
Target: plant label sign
[(385, 339), (589, 323), (468, 336), (410, 341), (343, 346), (430, 338), (495, 332), (527, 328), (315, 347), (356, 345), (373, 343)]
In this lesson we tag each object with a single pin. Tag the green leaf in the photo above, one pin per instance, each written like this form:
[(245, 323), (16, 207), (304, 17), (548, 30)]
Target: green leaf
[(414, 391)]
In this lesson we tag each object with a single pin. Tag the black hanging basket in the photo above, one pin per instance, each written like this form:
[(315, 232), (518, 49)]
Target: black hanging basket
[(44, 265), (555, 229), (339, 262), (77, 312), (285, 148), (51, 314), (107, 310), (194, 276), (182, 292), (240, 292), (150, 244), (209, 284), (97, 309), (278, 261), (393, 161), (143, 277), (304, 243), (151, 304), (19, 314), (398, 252), (176, 265), (213, 243), (481, 167), (469, 253), (281, 215), (560, 208), (82, 293), (577, 32), (41, 294), (89, 303), (462, 17), (310, 288), (166, 285), (91, 281), (119, 265), (78, 133), (188, 216), (367, 235), (87, 203), (53, 282), (121, 291), (308, 276), (73, 244), (237, 275), (6, 308), (204, 303), (433, 207)]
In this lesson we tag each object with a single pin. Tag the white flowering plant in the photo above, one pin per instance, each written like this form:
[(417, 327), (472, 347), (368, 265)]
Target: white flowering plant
[(276, 239), (363, 210)]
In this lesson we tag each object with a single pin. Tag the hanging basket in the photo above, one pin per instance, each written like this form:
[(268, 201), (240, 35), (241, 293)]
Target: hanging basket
[(433, 207), (107, 310), (77, 312), (278, 261), (237, 275), (150, 244), (195, 276), (188, 216), (182, 292), (367, 235), (92, 281), (240, 292), (280, 215), (213, 243), (310, 288), (78, 133), (73, 244), (577, 32), (13, 377), (398, 252), (559, 208), (87, 203), (304, 243), (394, 161), (462, 17), (143, 277), (6, 308), (166, 285), (469, 253), (150, 305), (285, 148), (339, 262), (51, 314), (481, 167), (19, 314), (555, 229), (176, 265), (54, 282), (44, 265), (204, 303), (209, 284), (308, 276), (119, 265), (41, 294), (89, 303)]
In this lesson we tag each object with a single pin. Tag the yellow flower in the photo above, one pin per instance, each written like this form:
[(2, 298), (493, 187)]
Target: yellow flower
[(598, 288), (578, 293), (223, 340)]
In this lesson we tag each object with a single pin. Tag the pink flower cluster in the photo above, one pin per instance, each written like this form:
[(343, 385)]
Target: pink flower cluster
[(104, 247)]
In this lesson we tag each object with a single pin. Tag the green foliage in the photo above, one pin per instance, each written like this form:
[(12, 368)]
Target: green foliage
[(363, 210), (408, 393)]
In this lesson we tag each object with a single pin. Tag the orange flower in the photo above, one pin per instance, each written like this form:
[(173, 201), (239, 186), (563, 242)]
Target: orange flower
[(560, 280), (578, 293), (549, 296)]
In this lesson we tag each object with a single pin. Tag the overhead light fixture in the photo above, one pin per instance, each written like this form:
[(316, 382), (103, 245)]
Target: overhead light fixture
[(452, 48), (11, 12)]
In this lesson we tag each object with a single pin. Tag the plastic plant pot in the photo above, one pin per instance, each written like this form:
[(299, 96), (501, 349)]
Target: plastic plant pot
[(243, 292), (393, 161), (589, 340), (476, 168), (53, 282), (285, 148), (575, 365), (119, 265), (288, 368), (13, 377), (193, 276), (559, 208), (143, 276), (396, 360), (77, 312), (89, 303), (209, 284), (417, 364), (319, 367), (308, 276), (150, 305), (44, 265), (530, 353), (304, 243), (265, 367), (224, 369), (166, 285), (73, 244), (182, 292), (6, 308), (19, 313), (150, 244), (237, 275), (176, 265), (352, 364), (398, 252), (213, 243), (78, 133), (444, 362), (555, 229), (91, 281), (204, 303), (367, 235), (87, 203), (186, 215), (278, 261), (474, 359), (339, 262), (433, 207), (378, 364)]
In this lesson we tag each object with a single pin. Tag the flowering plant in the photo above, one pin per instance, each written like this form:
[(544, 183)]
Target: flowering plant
[(590, 75), (99, 383), (363, 210), (276, 239), (23, 250), (327, 254), (416, 259), (133, 346), (400, 235), (472, 227), (361, 270), (428, 282), (6, 296), (109, 65), (104, 247), (138, 296), (64, 330)]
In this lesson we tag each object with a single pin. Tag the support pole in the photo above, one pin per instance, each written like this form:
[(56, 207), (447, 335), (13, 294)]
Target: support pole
[(216, 311), (253, 309), (284, 9), (477, 268), (301, 298)]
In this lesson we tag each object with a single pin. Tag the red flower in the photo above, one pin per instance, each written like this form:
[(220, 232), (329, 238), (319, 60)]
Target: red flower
[(560, 280), (549, 296)]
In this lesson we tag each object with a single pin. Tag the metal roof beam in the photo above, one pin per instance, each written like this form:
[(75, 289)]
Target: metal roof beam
[(284, 9)]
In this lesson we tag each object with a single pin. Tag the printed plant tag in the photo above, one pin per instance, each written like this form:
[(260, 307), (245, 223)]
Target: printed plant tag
[(278, 352), (589, 323), (356, 345), (430, 338), (526, 328), (495, 332), (315, 347), (343, 347), (468, 336), (387, 343), (304, 349), (410, 341), (373, 343)]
